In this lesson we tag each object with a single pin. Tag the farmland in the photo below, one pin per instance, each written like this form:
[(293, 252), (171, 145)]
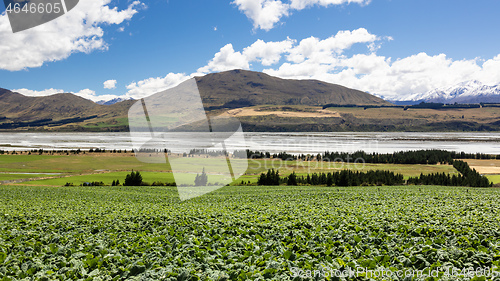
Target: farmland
[(107, 167), (49, 231), (239, 233)]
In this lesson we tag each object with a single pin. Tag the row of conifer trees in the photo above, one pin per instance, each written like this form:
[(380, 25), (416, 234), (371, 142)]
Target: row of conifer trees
[(340, 178), (467, 177)]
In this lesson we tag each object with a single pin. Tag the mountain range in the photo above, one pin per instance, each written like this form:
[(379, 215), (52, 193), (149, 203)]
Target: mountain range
[(466, 92), (241, 88), (219, 92), (112, 101)]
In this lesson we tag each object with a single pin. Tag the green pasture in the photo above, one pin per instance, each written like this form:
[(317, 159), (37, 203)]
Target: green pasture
[(107, 178), (83, 163), (21, 176), (494, 178), (108, 167), (257, 166)]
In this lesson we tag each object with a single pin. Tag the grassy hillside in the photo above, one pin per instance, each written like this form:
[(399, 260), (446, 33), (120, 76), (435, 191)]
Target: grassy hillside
[(63, 112), (239, 88)]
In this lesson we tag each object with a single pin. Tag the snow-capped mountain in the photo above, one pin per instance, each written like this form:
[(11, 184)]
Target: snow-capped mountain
[(465, 92), (112, 101)]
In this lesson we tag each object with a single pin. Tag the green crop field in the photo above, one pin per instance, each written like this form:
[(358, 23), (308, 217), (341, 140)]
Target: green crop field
[(244, 233)]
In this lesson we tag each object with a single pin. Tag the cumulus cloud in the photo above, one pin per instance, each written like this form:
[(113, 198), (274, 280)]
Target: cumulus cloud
[(392, 79), (268, 53), (490, 73), (91, 95), (33, 93), (85, 93), (78, 31), (136, 90), (265, 14), (152, 86), (327, 60), (311, 49), (322, 50), (226, 59), (110, 84)]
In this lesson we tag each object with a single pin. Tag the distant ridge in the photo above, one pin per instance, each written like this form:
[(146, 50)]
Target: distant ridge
[(241, 88), (15, 105), (59, 110), (112, 101)]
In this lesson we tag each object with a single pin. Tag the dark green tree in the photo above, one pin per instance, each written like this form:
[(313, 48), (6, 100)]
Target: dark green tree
[(133, 179), (201, 180), (292, 179)]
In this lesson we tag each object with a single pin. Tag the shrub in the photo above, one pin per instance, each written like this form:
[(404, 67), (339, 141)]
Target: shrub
[(94, 183)]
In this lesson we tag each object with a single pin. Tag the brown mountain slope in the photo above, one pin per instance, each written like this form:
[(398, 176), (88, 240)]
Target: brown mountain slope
[(19, 111), (239, 88), (23, 108), (219, 92)]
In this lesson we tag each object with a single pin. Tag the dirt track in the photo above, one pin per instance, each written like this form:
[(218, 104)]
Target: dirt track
[(252, 112)]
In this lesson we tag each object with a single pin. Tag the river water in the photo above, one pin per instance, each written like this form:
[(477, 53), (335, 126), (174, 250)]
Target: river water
[(470, 142)]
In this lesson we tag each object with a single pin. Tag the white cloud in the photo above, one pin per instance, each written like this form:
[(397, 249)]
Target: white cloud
[(265, 14), (136, 90), (321, 50), (312, 49), (77, 31), (379, 75), (32, 93), (88, 94), (490, 73), (226, 59), (267, 53), (110, 84), (326, 60), (152, 86), (85, 93), (91, 95)]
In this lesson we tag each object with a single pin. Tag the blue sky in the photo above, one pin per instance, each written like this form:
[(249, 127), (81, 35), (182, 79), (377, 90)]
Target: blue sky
[(391, 48)]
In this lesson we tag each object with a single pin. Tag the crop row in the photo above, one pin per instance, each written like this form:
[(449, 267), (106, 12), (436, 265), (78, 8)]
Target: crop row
[(242, 233)]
